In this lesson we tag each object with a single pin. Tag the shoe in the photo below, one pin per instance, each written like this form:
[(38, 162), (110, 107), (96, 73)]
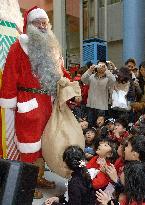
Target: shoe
[(44, 183), (38, 194)]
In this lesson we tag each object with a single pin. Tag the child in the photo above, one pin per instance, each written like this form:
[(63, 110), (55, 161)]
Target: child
[(100, 123), (110, 126), (134, 151), (84, 124), (105, 150), (133, 180), (90, 136), (80, 191), (120, 131)]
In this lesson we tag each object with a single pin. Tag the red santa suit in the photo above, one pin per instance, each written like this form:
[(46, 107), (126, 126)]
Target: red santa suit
[(32, 109)]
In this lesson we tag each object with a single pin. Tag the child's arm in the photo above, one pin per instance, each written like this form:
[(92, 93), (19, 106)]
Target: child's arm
[(100, 181)]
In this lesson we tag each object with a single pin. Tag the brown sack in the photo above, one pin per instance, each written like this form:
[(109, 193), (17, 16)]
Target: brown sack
[(62, 129)]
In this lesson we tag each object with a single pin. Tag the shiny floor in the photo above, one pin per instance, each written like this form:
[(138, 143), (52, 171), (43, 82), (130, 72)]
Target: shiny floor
[(60, 188)]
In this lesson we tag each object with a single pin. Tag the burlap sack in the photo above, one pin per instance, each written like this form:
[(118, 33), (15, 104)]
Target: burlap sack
[(62, 128)]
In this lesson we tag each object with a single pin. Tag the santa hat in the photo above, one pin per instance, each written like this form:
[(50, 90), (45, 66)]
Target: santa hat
[(33, 14)]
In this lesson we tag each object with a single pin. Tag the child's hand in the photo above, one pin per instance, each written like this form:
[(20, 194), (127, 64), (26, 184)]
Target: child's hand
[(88, 155), (102, 197), (112, 173), (116, 133), (103, 168), (51, 200)]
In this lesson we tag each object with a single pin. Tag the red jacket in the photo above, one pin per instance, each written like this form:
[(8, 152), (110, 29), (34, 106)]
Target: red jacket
[(32, 109), (102, 179)]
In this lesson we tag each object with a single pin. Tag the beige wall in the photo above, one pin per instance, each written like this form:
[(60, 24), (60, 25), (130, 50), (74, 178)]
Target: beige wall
[(115, 52)]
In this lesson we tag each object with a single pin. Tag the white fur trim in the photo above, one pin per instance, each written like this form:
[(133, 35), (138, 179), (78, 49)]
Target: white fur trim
[(28, 147), (8, 103), (23, 40), (36, 13), (27, 106)]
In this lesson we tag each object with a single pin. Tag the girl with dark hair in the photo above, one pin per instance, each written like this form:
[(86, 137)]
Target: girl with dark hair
[(80, 191), (133, 180), (105, 150)]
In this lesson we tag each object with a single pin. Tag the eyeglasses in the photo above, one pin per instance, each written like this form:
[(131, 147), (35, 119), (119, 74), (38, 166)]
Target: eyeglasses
[(41, 23)]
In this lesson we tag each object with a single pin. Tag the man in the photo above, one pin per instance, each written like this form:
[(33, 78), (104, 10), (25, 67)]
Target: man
[(99, 79), (32, 69), (134, 92)]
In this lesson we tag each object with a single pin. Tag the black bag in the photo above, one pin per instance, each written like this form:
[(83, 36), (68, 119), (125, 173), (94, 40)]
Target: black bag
[(17, 182)]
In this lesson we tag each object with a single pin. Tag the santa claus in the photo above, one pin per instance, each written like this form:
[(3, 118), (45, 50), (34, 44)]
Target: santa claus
[(32, 69)]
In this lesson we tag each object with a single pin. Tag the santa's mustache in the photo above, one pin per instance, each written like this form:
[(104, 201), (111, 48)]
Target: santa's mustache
[(44, 54)]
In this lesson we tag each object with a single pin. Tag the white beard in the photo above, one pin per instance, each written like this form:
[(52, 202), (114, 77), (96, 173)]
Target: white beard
[(44, 54)]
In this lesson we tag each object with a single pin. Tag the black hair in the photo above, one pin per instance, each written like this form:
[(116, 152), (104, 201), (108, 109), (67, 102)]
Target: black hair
[(130, 60), (123, 74), (134, 172), (89, 129), (138, 145), (123, 120), (72, 157), (89, 63), (102, 61), (112, 144), (100, 115)]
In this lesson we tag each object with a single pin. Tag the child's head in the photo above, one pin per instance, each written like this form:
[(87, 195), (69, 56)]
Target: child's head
[(84, 124), (135, 149), (90, 135), (110, 124), (120, 125), (134, 178), (100, 120), (74, 157), (105, 148)]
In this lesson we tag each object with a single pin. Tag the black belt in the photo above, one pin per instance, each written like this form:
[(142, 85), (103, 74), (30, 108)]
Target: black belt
[(33, 90)]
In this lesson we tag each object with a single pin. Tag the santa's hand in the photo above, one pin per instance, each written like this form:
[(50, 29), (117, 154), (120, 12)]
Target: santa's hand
[(51, 200), (64, 82), (78, 99)]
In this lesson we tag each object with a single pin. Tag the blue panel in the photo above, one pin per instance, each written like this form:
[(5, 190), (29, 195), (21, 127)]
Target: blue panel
[(94, 51), (134, 30)]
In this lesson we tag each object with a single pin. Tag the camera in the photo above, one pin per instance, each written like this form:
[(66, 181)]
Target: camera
[(96, 68)]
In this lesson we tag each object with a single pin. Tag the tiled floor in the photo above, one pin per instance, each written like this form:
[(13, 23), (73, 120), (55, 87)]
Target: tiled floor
[(60, 187)]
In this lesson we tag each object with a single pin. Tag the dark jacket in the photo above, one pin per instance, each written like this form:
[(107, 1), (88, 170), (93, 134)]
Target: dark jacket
[(79, 192)]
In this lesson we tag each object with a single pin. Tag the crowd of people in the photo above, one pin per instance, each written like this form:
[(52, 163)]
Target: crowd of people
[(111, 168)]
